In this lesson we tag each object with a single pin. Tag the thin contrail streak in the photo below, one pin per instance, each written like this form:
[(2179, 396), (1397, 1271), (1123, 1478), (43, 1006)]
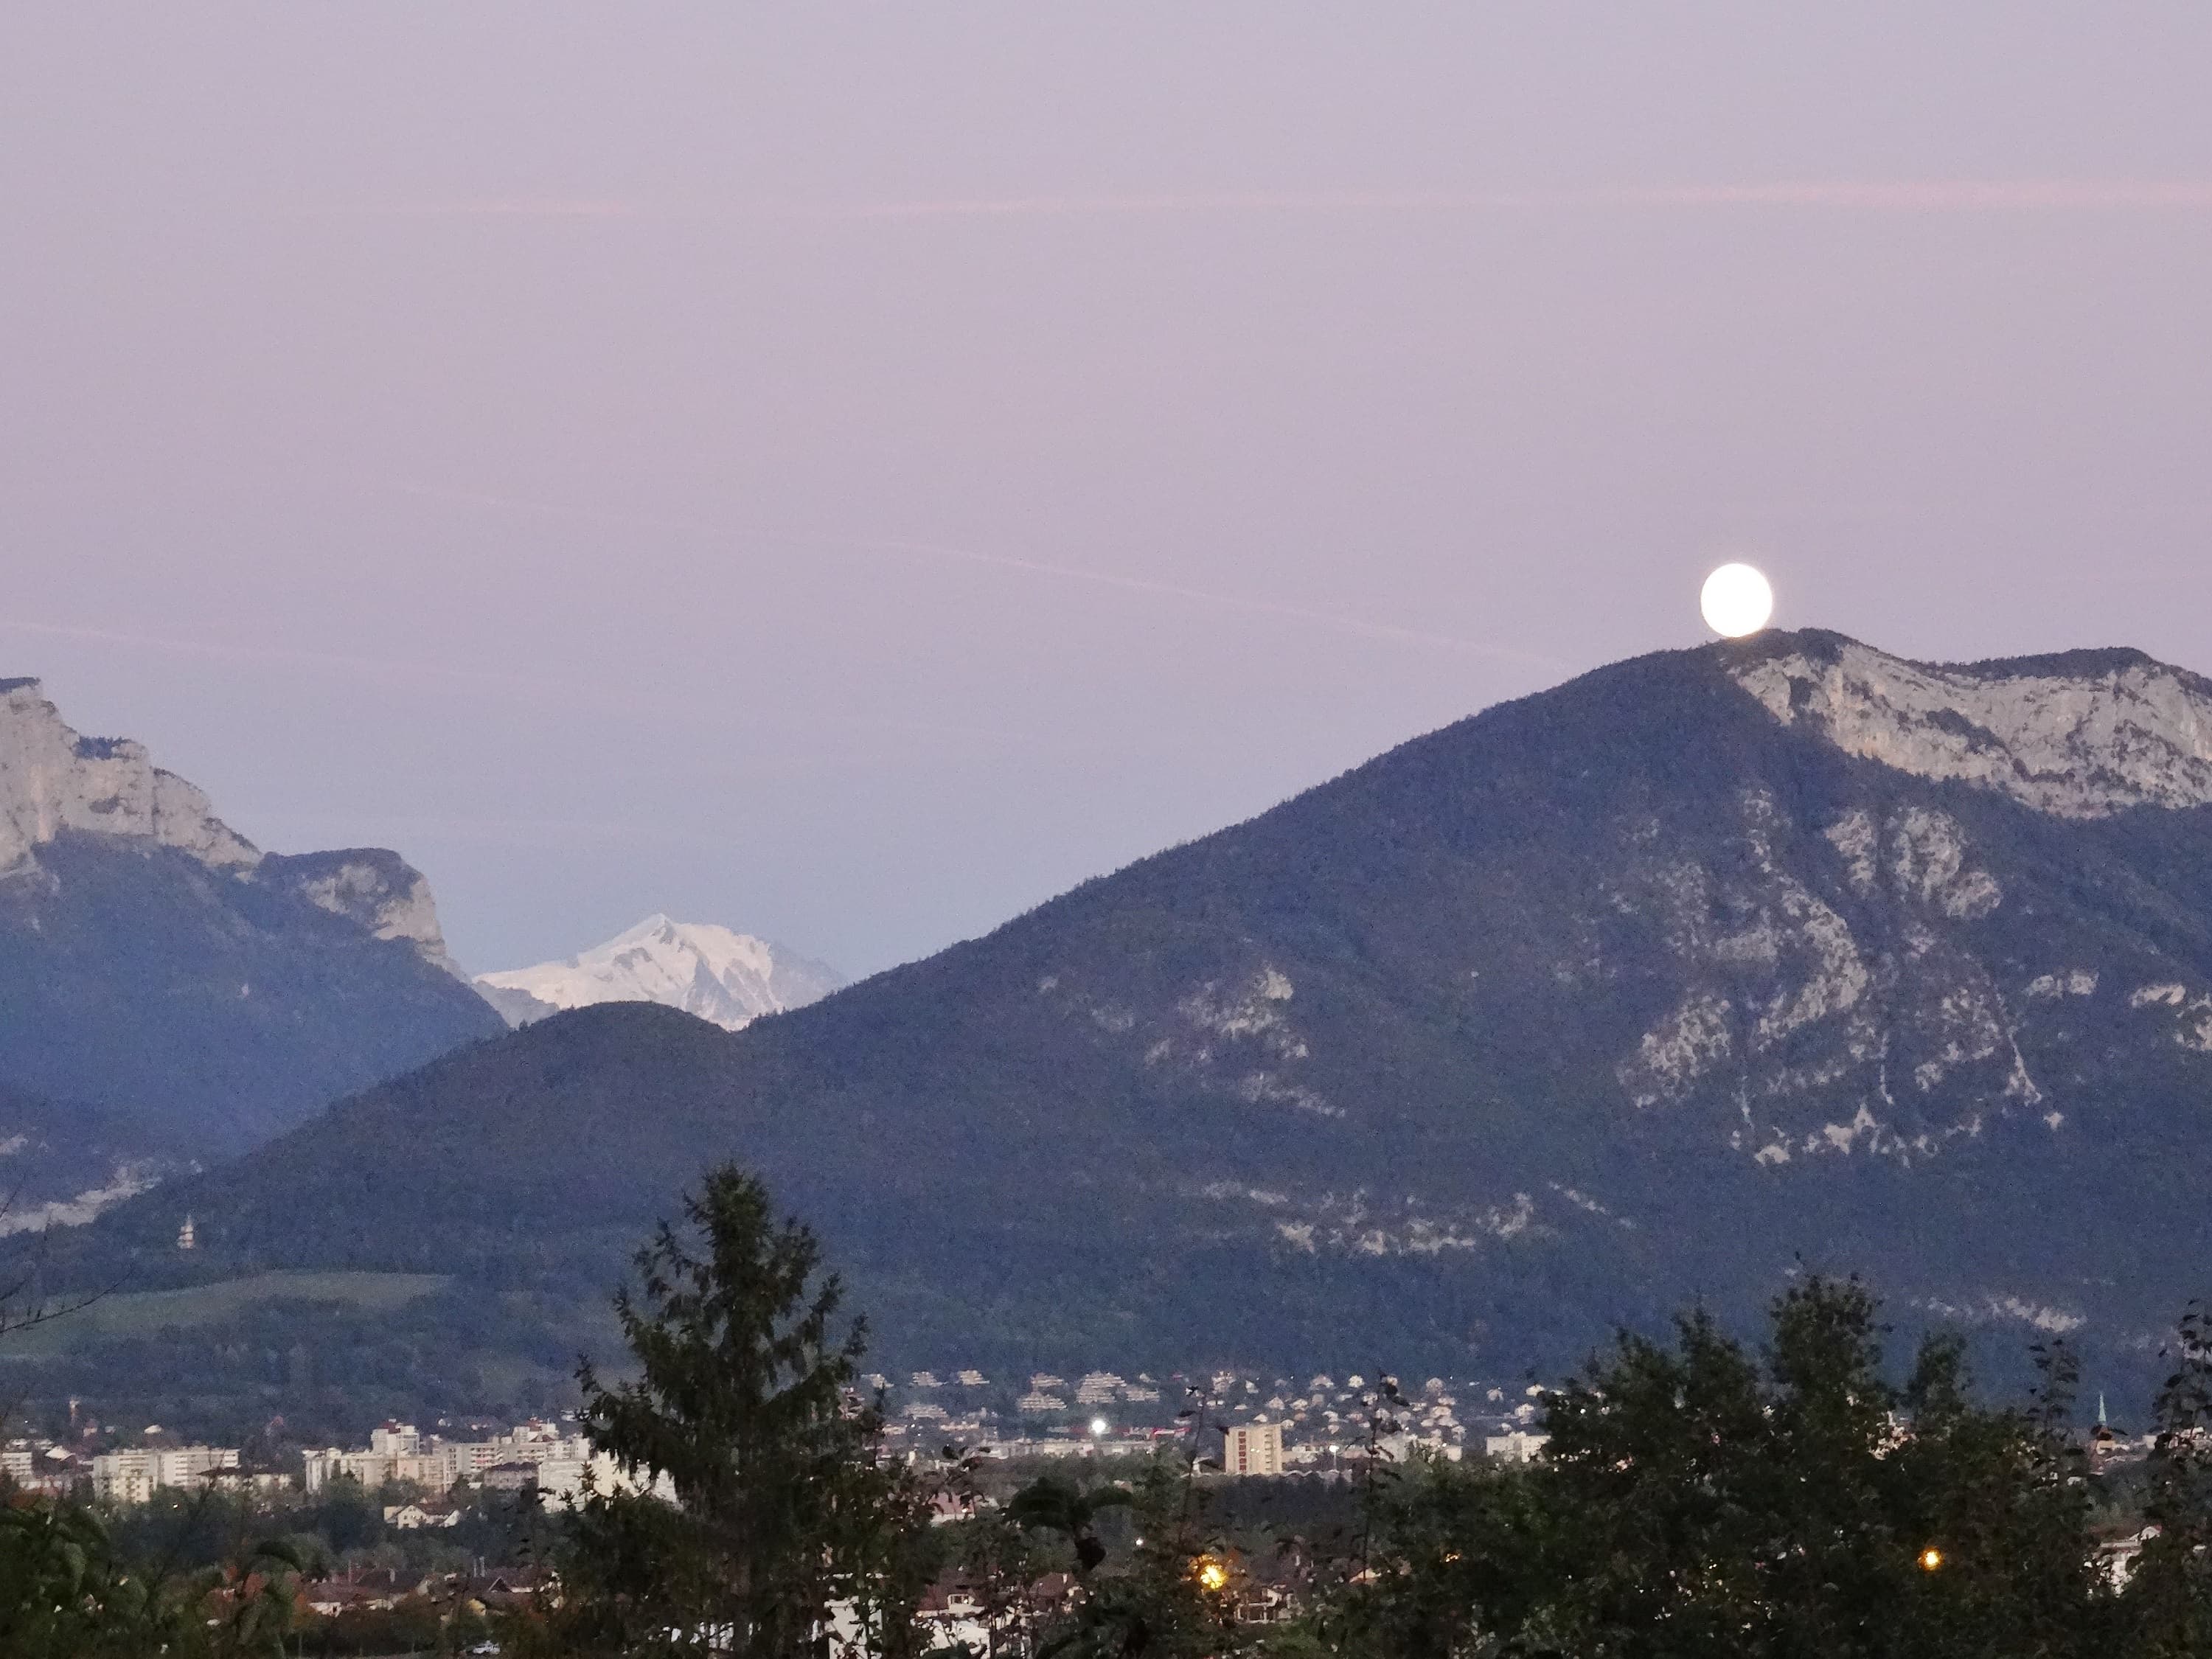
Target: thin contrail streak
[(1874, 195), (1905, 196), (898, 547), (1350, 624)]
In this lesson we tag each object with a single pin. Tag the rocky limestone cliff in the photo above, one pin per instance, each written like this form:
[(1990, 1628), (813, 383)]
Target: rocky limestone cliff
[(154, 961), (371, 886), (2081, 735), (52, 779)]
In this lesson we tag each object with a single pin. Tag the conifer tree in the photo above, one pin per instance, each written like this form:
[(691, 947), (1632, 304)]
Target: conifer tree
[(744, 1413), (1699, 1501), (2170, 1596)]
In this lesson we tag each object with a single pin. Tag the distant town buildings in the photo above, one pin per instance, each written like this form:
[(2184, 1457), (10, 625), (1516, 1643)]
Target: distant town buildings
[(1515, 1445), (413, 1517), (37, 1466), (1253, 1449), (1258, 1423), (552, 1458), (133, 1474), (1322, 1426), (399, 1451)]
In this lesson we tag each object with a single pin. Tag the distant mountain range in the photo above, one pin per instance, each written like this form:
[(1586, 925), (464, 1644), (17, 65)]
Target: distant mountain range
[(729, 979), (1701, 971), (157, 970)]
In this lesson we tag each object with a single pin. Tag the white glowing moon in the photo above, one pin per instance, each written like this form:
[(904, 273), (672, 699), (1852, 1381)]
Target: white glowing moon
[(1737, 600)]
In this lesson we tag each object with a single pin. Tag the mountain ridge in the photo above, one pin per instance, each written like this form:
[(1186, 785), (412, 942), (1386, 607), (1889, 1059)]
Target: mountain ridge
[(1629, 991), (155, 962)]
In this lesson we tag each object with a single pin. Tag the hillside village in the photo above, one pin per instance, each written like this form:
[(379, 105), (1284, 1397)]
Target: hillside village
[(468, 1480), (1326, 1424)]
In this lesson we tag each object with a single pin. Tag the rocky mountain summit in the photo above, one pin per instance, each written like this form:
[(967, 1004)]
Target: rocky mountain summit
[(1701, 970), (729, 979), (2084, 735), (155, 962), (53, 781)]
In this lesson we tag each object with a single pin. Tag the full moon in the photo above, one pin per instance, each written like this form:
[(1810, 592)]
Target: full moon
[(1737, 600)]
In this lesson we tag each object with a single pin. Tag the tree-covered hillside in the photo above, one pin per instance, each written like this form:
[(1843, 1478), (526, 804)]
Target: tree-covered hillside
[(221, 1007), (1622, 995)]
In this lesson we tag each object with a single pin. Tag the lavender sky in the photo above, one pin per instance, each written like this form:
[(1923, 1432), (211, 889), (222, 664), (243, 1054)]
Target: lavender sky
[(850, 472)]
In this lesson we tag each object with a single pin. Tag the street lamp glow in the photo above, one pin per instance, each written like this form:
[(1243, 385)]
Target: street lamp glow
[(1098, 1427), (1930, 1558)]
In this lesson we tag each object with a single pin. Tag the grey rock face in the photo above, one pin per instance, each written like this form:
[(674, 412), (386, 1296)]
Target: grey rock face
[(376, 889), (2084, 736), (53, 781), (154, 961)]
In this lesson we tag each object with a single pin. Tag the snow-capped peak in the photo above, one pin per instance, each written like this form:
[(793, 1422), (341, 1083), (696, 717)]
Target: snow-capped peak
[(727, 977)]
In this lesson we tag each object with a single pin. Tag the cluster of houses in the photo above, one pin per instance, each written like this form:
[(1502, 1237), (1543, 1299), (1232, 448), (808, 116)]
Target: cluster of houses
[(132, 1474), (381, 1590), (1282, 1426), (129, 1474), (40, 1466), (402, 1452), (555, 1462), (549, 1459), (1270, 1426)]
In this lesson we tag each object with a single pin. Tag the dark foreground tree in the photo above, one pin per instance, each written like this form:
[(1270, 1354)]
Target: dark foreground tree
[(68, 1592), (743, 1412), (1172, 1595), (1697, 1500), (2170, 1596), (1456, 1560), (65, 1594)]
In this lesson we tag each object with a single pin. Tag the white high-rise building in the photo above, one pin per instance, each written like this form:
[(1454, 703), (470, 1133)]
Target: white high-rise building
[(1253, 1449), (133, 1474)]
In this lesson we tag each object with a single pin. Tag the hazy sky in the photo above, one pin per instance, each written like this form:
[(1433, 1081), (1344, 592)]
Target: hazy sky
[(850, 472)]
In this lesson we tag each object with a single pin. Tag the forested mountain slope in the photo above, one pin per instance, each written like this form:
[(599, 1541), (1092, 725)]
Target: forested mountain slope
[(155, 964), (1699, 970)]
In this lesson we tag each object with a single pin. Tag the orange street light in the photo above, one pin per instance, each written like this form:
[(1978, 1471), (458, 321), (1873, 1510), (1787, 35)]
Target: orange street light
[(1930, 1558)]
